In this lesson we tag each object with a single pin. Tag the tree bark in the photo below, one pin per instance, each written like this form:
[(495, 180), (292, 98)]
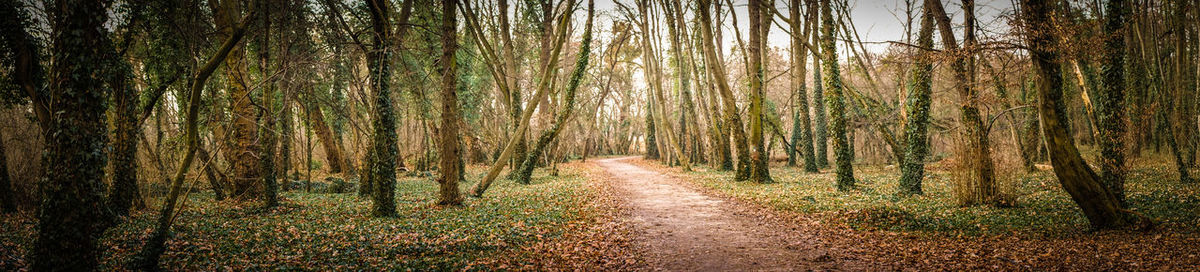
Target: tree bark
[(920, 92), (72, 216), (384, 149), (1098, 204), (716, 70), (759, 172), (245, 172), (835, 98), (1112, 102), (449, 150)]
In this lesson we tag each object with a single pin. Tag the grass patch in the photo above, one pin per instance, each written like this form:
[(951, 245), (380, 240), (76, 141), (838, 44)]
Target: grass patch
[(334, 231), (1043, 207)]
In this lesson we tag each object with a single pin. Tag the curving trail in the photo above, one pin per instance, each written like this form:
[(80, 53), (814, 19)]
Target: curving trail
[(685, 230)]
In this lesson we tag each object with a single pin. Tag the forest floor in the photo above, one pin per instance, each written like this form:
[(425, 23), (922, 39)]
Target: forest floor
[(629, 214), (872, 225), (562, 222)]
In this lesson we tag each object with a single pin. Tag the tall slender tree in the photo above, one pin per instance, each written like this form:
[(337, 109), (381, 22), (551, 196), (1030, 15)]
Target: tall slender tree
[(383, 140), (716, 70), (1112, 101), (835, 98), (758, 148), (920, 92), (449, 150)]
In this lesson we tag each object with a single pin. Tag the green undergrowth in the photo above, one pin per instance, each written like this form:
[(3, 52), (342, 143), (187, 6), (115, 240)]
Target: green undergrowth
[(1042, 208), (333, 231)]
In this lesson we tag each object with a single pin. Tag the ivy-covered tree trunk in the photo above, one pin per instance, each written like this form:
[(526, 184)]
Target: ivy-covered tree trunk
[(758, 149), (125, 125), (581, 62), (651, 142), (1098, 204), (72, 215), (835, 98), (266, 116), (820, 118), (449, 148), (920, 92), (244, 172), (383, 148), (285, 138), (802, 134), (1112, 101)]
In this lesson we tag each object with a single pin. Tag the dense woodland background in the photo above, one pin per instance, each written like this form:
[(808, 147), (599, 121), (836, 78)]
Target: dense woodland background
[(117, 113)]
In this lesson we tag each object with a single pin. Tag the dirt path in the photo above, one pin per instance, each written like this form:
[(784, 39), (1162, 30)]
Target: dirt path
[(686, 230)]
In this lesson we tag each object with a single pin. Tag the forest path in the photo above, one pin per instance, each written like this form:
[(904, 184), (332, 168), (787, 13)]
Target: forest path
[(685, 230)]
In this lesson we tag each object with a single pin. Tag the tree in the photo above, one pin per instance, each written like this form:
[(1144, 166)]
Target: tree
[(920, 90), (449, 153), (542, 90), (835, 98), (820, 119), (976, 146), (581, 62), (1098, 204), (266, 113), (243, 150), (1112, 102), (802, 133), (72, 215), (383, 140), (658, 109), (148, 257), (716, 71), (758, 149)]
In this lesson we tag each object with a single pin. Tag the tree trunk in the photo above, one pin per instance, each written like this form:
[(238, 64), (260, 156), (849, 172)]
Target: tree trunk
[(759, 172), (148, 257), (334, 154), (716, 70), (72, 216), (659, 111), (564, 115), (1098, 204), (449, 150), (821, 125), (801, 121), (245, 172), (835, 98), (384, 149), (542, 91), (1112, 102), (920, 92), (266, 117), (977, 147), (125, 125)]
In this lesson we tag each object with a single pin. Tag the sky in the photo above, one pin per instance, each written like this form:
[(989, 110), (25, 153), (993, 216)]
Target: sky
[(877, 21)]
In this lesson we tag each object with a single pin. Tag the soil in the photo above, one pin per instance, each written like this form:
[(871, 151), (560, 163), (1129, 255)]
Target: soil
[(683, 229)]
